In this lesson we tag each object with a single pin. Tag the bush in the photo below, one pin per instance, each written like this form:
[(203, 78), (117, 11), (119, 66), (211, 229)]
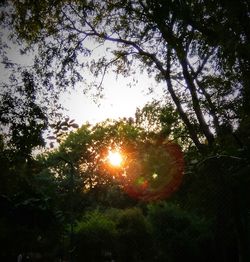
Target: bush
[(179, 235), (94, 238), (134, 236), (122, 235), (166, 234)]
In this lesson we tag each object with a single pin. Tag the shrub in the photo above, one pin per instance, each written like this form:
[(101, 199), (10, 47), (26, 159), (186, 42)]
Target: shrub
[(94, 237), (179, 235), (134, 236)]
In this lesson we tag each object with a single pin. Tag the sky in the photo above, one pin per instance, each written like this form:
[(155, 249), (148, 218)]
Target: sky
[(121, 95), (119, 100)]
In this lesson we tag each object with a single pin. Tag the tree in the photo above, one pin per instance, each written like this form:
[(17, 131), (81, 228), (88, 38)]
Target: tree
[(183, 45), (161, 118), (28, 220), (22, 119), (174, 47), (179, 234), (151, 168)]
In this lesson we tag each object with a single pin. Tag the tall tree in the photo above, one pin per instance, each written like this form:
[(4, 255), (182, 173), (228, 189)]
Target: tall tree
[(22, 119), (171, 40), (183, 44)]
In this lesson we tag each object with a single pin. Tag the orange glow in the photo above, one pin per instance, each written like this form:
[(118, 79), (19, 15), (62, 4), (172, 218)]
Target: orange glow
[(115, 158)]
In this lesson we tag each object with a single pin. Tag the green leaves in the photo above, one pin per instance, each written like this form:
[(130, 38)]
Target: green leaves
[(151, 169), (166, 39), (60, 130), (23, 116)]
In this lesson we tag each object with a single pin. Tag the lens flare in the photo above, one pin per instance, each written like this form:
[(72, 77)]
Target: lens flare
[(151, 171), (156, 172)]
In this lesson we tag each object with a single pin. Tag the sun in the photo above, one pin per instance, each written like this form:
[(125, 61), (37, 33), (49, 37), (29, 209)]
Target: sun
[(115, 158)]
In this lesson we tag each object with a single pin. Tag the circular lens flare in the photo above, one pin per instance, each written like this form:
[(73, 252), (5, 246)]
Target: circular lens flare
[(150, 172), (115, 158), (156, 172)]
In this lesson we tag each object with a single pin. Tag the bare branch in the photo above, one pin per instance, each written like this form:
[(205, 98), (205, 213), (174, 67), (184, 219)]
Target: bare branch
[(212, 108), (196, 104), (201, 67)]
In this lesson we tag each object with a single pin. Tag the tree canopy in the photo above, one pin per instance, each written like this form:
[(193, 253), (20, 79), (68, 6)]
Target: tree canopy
[(182, 44), (199, 52)]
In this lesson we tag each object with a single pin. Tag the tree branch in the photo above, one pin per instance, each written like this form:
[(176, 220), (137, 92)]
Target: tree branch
[(200, 68), (180, 110), (196, 104), (212, 108), (107, 65), (166, 74)]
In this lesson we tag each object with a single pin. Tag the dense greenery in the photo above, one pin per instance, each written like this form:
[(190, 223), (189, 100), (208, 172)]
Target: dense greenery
[(65, 203)]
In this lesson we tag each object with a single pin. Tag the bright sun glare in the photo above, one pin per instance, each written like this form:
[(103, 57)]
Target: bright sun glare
[(115, 158)]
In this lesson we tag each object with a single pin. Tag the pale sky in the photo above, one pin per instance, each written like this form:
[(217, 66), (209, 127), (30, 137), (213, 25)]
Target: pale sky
[(119, 100)]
